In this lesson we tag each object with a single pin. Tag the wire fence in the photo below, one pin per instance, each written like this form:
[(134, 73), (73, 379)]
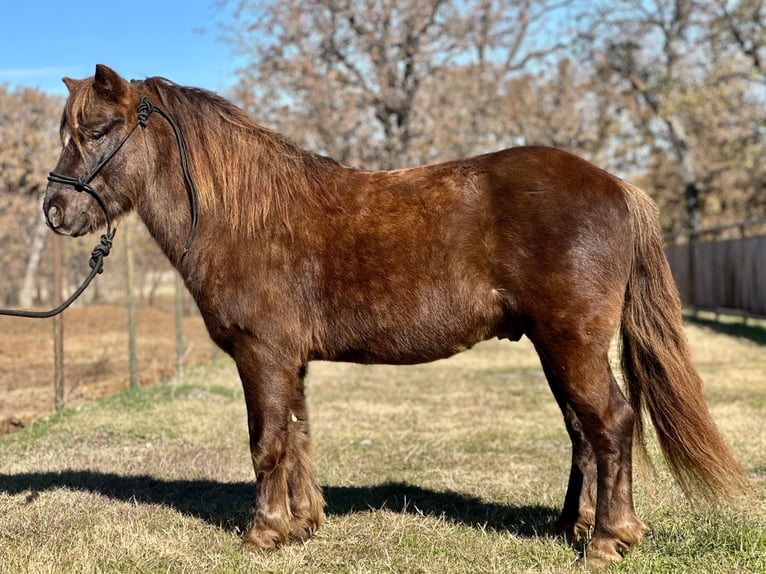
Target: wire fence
[(135, 325)]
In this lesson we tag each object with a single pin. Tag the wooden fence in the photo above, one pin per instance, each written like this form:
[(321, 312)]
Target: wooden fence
[(721, 269)]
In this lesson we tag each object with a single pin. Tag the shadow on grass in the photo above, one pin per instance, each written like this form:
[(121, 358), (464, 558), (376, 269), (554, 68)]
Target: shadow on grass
[(229, 505), (754, 333)]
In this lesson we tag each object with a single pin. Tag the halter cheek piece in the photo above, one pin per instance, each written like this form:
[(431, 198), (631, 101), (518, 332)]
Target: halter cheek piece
[(82, 184)]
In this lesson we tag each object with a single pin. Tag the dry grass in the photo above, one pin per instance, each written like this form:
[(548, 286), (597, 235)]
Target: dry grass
[(454, 466), (95, 356)]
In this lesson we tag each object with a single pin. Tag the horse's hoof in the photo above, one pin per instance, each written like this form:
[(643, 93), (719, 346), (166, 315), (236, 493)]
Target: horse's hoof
[(575, 532), (578, 529), (256, 540), (302, 530), (599, 554)]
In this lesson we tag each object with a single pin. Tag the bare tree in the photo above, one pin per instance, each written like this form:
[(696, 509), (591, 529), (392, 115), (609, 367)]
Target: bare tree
[(685, 81), (328, 57), (736, 43), (28, 150), (669, 93), (738, 26), (653, 74), (559, 105), (351, 72)]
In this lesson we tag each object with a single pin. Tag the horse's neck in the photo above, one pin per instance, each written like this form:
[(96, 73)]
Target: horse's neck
[(164, 209)]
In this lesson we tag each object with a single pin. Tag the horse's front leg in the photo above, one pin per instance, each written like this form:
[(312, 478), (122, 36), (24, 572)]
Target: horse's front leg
[(306, 500), (278, 445)]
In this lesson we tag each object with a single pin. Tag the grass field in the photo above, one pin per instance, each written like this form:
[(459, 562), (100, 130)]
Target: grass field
[(455, 466)]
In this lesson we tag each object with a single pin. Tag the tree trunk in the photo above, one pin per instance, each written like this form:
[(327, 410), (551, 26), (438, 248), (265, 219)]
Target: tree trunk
[(27, 291), (688, 172)]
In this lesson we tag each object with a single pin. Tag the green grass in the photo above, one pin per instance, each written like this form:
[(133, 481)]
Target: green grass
[(735, 326), (451, 467)]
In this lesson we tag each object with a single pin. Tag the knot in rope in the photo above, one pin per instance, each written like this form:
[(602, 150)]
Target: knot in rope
[(100, 251), (144, 110), (80, 184)]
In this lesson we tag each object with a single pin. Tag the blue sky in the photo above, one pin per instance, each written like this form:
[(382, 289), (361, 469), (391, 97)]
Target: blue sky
[(40, 42)]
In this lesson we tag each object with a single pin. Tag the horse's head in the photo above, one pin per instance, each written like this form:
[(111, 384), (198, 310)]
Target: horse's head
[(99, 114)]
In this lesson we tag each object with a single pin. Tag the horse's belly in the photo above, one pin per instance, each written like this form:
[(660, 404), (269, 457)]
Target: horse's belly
[(412, 340), (401, 354)]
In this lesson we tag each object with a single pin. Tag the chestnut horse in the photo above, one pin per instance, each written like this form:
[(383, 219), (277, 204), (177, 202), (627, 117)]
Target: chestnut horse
[(297, 257)]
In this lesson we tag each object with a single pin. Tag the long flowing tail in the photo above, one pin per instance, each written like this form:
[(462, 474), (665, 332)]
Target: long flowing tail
[(658, 371)]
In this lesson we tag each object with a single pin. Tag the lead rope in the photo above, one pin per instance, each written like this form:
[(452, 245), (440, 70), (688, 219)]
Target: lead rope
[(82, 184)]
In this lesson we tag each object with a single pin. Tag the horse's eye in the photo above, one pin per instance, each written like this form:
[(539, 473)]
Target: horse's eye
[(95, 136)]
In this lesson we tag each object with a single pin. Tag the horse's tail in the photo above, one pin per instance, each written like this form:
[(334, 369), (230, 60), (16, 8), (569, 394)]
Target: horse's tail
[(658, 371)]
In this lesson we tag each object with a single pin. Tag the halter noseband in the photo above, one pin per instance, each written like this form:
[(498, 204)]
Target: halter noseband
[(144, 110)]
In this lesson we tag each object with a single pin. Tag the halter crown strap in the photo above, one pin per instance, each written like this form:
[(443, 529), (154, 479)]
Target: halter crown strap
[(144, 110)]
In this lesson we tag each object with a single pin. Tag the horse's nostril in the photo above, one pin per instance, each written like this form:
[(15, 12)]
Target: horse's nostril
[(55, 216)]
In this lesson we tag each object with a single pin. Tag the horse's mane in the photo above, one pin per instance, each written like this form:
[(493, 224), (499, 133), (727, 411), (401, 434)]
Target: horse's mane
[(251, 172)]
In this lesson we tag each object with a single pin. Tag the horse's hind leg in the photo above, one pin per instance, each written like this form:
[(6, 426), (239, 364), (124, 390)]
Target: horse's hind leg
[(584, 383), (579, 513)]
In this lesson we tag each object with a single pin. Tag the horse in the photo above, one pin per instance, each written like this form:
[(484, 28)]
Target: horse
[(294, 257)]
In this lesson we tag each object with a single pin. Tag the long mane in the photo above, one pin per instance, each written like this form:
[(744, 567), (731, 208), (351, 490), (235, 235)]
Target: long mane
[(249, 171)]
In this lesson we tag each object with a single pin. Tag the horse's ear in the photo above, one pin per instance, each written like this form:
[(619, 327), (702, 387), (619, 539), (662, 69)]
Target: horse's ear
[(70, 83), (108, 84)]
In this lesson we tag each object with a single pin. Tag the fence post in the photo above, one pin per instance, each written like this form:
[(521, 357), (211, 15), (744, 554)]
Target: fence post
[(692, 241), (58, 324), (744, 275), (132, 355)]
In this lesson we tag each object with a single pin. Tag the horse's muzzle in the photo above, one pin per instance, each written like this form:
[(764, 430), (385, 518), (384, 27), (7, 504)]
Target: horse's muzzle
[(64, 214)]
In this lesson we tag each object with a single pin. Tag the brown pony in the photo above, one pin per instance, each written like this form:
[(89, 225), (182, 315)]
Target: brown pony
[(298, 258)]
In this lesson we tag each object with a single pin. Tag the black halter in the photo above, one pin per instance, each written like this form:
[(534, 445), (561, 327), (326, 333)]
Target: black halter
[(82, 184)]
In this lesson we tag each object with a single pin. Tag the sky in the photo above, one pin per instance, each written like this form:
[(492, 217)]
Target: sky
[(43, 41)]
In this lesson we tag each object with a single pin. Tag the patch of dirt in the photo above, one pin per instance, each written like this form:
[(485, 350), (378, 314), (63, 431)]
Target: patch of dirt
[(96, 359)]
